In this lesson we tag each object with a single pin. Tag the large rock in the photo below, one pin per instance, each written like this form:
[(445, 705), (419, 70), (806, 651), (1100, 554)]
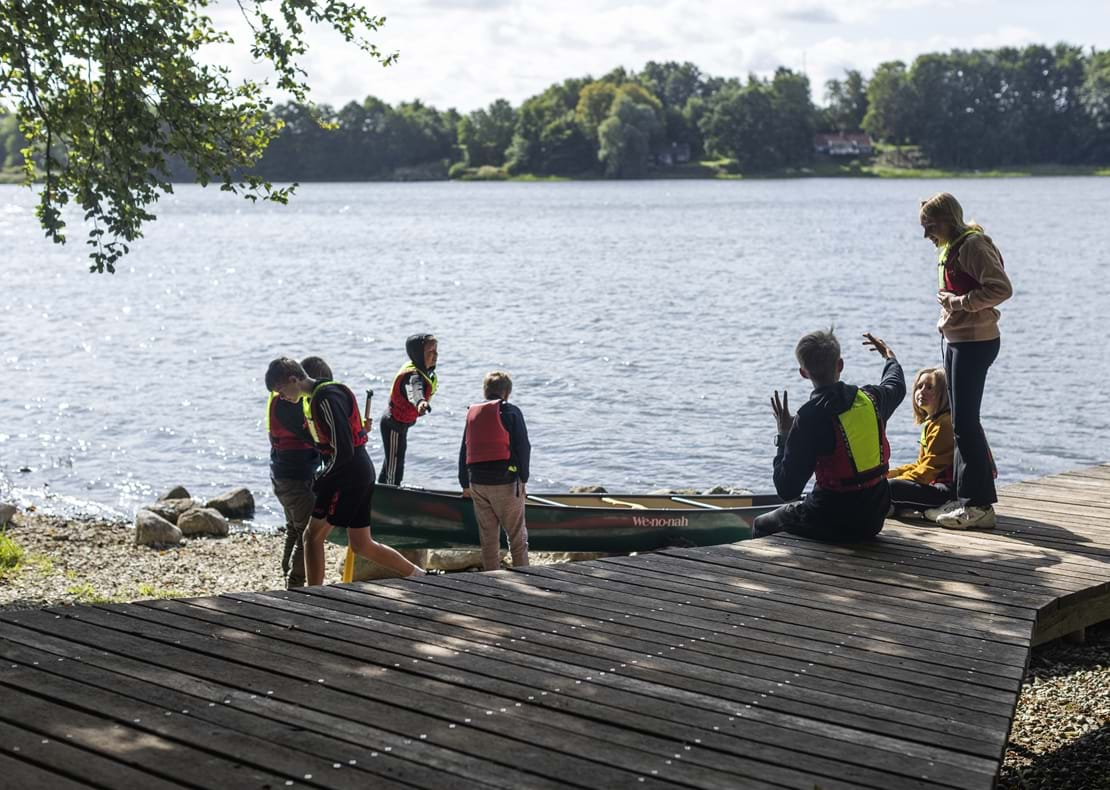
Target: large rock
[(455, 559), (202, 521), (238, 503), (177, 492), (365, 570), (171, 509), (153, 530), (6, 513), (588, 490)]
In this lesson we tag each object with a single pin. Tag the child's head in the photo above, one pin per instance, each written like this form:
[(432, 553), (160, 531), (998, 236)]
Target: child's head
[(316, 368), (423, 350), (497, 385), (942, 218), (930, 394), (818, 355), (284, 376)]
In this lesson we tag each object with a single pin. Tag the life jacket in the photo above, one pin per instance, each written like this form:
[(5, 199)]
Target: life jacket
[(281, 438), (318, 427), (947, 475), (861, 455), (949, 278), (486, 436), (400, 409)]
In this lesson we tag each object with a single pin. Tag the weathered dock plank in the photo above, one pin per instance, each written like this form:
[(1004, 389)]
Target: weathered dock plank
[(767, 664)]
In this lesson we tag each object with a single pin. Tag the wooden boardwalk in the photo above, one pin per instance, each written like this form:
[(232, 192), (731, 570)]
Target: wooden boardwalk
[(767, 664)]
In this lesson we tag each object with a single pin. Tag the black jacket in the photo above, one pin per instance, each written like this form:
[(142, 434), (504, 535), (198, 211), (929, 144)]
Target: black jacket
[(498, 472), (813, 435)]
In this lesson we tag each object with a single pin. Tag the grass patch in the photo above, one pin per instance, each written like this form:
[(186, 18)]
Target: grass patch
[(86, 593), (150, 591), (11, 554)]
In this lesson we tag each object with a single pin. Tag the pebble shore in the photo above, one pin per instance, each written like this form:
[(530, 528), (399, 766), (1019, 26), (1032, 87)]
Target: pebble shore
[(1060, 737)]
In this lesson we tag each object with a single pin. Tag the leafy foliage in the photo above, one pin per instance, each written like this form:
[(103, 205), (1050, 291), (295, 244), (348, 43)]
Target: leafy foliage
[(108, 92)]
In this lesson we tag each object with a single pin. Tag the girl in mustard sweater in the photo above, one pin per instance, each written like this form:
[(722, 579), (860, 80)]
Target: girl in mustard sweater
[(926, 484)]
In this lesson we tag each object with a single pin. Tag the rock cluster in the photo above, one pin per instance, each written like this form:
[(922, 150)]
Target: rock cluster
[(176, 516)]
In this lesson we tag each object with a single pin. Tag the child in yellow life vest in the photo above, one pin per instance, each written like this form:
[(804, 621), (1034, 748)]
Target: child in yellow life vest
[(927, 483)]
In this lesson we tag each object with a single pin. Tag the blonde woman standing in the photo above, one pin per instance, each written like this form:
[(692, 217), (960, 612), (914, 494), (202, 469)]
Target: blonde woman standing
[(972, 283)]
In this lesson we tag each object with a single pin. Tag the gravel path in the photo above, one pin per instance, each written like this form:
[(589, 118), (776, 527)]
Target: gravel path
[(1060, 738)]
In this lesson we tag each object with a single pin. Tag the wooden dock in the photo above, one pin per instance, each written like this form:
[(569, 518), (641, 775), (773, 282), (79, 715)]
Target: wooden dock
[(766, 664)]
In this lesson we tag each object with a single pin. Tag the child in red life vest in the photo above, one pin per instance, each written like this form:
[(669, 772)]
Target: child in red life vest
[(344, 485), (409, 398), (972, 283), (293, 463), (839, 435), (493, 470), (926, 483)]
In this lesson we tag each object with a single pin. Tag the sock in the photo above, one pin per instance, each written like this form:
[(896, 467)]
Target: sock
[(418, 572)]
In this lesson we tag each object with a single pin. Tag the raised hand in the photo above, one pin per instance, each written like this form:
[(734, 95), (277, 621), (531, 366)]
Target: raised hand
[(878, 346), (781, 409)]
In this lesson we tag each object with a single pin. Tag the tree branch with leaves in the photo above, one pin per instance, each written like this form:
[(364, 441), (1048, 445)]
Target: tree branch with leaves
[(109, 92)]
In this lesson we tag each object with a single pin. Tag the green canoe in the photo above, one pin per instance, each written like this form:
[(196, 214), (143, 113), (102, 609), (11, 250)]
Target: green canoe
[(417, 518)]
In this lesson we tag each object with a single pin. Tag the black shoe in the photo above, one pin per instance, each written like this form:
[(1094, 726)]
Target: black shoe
[(434, 572)]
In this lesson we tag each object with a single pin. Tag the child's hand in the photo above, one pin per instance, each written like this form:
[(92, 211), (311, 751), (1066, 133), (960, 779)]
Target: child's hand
[(879, 346), (422, 408), (781, 409), (466, 493)]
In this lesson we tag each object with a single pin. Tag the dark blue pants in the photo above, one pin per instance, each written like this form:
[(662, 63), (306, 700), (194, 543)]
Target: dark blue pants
[(966, 365)]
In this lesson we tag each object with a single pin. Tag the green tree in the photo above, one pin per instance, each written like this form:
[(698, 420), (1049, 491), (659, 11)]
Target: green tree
[(594, 103), (891, 104), (626, 136), (847, 101), (485, 135), (111, 92)]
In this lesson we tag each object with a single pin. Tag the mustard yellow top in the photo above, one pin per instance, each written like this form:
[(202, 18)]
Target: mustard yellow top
[(934, 458)]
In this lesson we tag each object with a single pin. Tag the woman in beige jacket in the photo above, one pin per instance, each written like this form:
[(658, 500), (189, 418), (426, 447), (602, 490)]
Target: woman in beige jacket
[(972, 283)]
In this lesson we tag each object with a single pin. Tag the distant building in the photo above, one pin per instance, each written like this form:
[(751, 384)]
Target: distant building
[(672, 154), (843, 144)]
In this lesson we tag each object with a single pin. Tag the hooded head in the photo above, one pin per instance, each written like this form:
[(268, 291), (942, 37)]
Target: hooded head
[(417, 347)]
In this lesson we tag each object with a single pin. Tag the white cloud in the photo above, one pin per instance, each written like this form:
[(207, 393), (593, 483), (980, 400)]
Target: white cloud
[(465, 53)]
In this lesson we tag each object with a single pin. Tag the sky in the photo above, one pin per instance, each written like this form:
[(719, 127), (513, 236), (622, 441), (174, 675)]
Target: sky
[(467, 53)]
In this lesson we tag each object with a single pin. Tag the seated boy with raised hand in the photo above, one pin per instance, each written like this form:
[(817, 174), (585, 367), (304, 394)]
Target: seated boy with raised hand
[(839, 435)]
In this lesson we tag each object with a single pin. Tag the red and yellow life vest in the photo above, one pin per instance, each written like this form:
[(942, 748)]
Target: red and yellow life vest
[(486, 436), (861, 455), (318, 427), (949, 278), (400, 408), (281, 438)]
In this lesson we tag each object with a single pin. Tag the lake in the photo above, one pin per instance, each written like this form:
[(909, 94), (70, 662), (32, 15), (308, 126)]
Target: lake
[(645, 325)]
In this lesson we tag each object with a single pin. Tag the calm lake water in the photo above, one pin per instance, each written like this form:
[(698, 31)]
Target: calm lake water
[(645, 325)]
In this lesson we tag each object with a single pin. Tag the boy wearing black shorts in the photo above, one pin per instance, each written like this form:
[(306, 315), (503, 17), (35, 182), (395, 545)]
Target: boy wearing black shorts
[(344, 486)]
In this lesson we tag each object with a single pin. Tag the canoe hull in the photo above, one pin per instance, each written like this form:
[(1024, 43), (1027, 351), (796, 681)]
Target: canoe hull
[(408, 518)]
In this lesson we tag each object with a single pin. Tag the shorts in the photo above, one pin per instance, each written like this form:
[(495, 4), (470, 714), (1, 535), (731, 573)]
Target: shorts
[(345, 499)]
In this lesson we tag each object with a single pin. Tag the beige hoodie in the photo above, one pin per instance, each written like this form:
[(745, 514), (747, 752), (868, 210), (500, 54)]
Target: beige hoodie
[(975, 317)]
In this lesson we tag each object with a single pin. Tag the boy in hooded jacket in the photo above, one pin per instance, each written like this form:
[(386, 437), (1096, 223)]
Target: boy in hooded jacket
[(409, 398), (838, 436)]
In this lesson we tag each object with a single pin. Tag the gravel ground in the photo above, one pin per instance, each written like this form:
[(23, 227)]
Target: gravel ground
[(1061, 733), (68, 561), (1060, 738)]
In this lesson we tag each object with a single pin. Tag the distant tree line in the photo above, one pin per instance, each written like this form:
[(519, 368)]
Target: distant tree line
[(964, 109)]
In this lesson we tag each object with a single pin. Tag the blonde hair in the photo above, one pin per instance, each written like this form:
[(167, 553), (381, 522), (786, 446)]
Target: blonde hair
[(497, 384), (940, 386), (943, 207)]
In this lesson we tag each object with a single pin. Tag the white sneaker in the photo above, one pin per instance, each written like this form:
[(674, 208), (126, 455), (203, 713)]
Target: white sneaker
[(969, 517), (936, 512)]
